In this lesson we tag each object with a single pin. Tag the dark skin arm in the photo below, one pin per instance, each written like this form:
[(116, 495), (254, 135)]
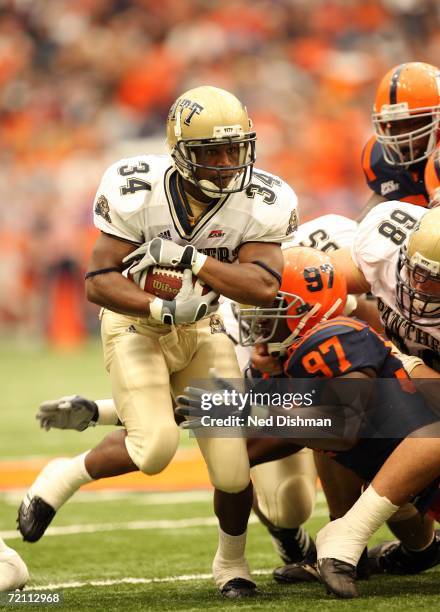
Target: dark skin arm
[(112, 290), (372, 202), (246, 283)]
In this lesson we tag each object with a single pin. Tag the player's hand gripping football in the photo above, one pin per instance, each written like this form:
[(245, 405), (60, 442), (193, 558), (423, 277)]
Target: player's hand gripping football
[(68, 412), (187, 306), (220, 401), (165, 253)]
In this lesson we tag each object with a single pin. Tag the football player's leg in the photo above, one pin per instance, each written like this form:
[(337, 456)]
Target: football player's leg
[(341, 488), (228, 467), (285, 492), (416, 550), (61, 478), (141, 392), (13, 571), (413, 465)]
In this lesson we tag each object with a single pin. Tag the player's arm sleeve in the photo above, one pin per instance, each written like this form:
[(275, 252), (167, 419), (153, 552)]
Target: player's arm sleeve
[(116, 214), (275, 222)]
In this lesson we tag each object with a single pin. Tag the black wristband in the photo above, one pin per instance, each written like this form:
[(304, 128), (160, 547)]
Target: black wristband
[(268, 269), (102, 271)]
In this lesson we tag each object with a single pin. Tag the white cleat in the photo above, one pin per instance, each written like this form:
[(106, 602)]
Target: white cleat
[(13, 571)]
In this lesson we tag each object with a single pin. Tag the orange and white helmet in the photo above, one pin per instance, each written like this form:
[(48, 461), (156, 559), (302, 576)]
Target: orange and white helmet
[(432, 178), (312, 290), (406, 113)]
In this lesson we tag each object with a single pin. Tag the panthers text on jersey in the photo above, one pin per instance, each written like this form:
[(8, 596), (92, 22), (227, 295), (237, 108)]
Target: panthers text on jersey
[(375, 251), (139, 198), (342, 345), (393, 182)]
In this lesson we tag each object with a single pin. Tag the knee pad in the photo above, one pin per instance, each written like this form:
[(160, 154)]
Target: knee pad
[(154, 452), (229, 483), (286, 489)]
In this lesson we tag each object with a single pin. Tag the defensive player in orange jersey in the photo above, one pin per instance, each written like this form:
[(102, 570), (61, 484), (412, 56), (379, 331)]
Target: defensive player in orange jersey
[(406, 119), (314, 342)]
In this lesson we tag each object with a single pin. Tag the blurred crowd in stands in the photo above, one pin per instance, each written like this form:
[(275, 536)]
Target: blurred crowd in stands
[(82, 82)]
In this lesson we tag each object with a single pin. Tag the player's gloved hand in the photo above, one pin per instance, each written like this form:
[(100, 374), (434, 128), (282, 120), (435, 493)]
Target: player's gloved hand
[(165, 253), (223, 401), (68, 412), (409, 362), (187, 306)]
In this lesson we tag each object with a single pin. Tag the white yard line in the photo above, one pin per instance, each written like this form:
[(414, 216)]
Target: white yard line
[(136, 526), (98, 583)]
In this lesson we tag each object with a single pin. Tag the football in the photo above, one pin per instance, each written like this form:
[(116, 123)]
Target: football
[(166, 282)]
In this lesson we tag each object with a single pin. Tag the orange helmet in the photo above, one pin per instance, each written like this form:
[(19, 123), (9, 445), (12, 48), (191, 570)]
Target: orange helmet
[(406, 113), (432, 178), (312, 290)]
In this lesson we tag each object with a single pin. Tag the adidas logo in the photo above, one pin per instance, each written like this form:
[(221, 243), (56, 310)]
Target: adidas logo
[(166, 235)]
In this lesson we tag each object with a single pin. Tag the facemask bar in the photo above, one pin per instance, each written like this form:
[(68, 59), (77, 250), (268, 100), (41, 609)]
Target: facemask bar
[(416, 306), (184, 155), (253, 322), (391, 145)]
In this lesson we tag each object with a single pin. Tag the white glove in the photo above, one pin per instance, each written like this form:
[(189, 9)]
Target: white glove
[(68, 412), (165, 253), (187, 306), (409, 362)]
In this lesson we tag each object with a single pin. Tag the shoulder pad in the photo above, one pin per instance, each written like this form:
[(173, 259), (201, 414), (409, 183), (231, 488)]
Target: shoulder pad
[(336, 347)]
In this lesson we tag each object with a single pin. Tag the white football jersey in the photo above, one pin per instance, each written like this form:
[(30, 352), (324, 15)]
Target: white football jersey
[(139, 199), (376, 251), (326, 233)]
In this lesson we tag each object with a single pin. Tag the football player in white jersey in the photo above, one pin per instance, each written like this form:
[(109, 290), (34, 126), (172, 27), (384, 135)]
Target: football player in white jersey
[(396, 253), (285, 489), (13, 571), (201, 209)]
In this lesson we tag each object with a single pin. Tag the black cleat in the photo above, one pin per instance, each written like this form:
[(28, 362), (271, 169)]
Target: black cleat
[(293, 545), (34, 517), (307, 571), (338, 577), (296, 572), (394, 558), (237, 588)]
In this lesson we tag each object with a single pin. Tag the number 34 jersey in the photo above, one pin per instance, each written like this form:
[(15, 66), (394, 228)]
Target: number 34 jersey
[(375, 251), (140, 198)]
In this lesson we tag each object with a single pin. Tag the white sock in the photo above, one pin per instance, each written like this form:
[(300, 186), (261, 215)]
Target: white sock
[(346, 537), (107, 412), (229, 561), (59, 480)]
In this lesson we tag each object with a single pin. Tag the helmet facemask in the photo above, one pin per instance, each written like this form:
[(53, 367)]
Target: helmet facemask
[(417, 306), (260, 325), (403, 149), (185, 155)]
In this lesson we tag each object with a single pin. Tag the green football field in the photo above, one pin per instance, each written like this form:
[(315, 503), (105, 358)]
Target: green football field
[(144, 551)]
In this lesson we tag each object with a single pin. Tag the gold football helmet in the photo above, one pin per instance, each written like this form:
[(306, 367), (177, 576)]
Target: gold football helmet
[(418, 272), (200, 122)]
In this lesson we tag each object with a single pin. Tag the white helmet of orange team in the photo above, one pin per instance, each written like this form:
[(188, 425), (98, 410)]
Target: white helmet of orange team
[(408, 94), (205, 117)]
